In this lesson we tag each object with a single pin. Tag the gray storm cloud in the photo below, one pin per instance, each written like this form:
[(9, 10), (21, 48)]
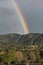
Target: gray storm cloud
[(33, 13), (9, 19)]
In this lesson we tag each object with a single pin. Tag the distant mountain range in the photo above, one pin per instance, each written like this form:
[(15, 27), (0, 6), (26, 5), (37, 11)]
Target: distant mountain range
[(21, 39)]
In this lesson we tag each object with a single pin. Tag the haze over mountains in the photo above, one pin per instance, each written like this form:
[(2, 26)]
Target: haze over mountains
[(21, 39)]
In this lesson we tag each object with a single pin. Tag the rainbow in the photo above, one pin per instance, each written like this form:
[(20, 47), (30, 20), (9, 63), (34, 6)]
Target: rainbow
[(23, 21)]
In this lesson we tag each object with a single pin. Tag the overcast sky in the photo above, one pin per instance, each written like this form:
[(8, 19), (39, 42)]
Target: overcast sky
[(32, 11)]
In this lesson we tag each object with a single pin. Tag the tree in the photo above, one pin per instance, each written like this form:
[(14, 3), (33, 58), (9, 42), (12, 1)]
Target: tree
[(8, 57), (19, 57), (32, 56)]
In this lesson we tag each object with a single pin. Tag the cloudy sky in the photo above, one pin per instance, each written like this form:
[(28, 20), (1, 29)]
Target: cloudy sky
[(32, 11)]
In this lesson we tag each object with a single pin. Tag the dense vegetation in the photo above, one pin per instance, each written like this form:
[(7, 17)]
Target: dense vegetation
[(21, 49)]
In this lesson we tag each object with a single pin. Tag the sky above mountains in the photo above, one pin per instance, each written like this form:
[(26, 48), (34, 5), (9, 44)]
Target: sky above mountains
[(32, 11)]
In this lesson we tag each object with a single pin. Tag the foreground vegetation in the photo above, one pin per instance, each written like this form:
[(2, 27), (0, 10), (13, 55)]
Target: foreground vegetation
[(18, 54)]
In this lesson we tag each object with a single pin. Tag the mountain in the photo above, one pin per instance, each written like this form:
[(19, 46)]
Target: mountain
[(21, 39), (31, 39)]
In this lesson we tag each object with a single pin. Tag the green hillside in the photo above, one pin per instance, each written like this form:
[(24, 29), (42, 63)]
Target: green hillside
[(19, 49)]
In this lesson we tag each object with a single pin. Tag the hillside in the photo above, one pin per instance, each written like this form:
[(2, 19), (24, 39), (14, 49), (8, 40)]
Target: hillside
[(16, 48), (31, 39), (21, 39)]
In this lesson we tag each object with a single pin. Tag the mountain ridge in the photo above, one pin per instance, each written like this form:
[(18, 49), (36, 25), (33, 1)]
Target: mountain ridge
[(26, 39)]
